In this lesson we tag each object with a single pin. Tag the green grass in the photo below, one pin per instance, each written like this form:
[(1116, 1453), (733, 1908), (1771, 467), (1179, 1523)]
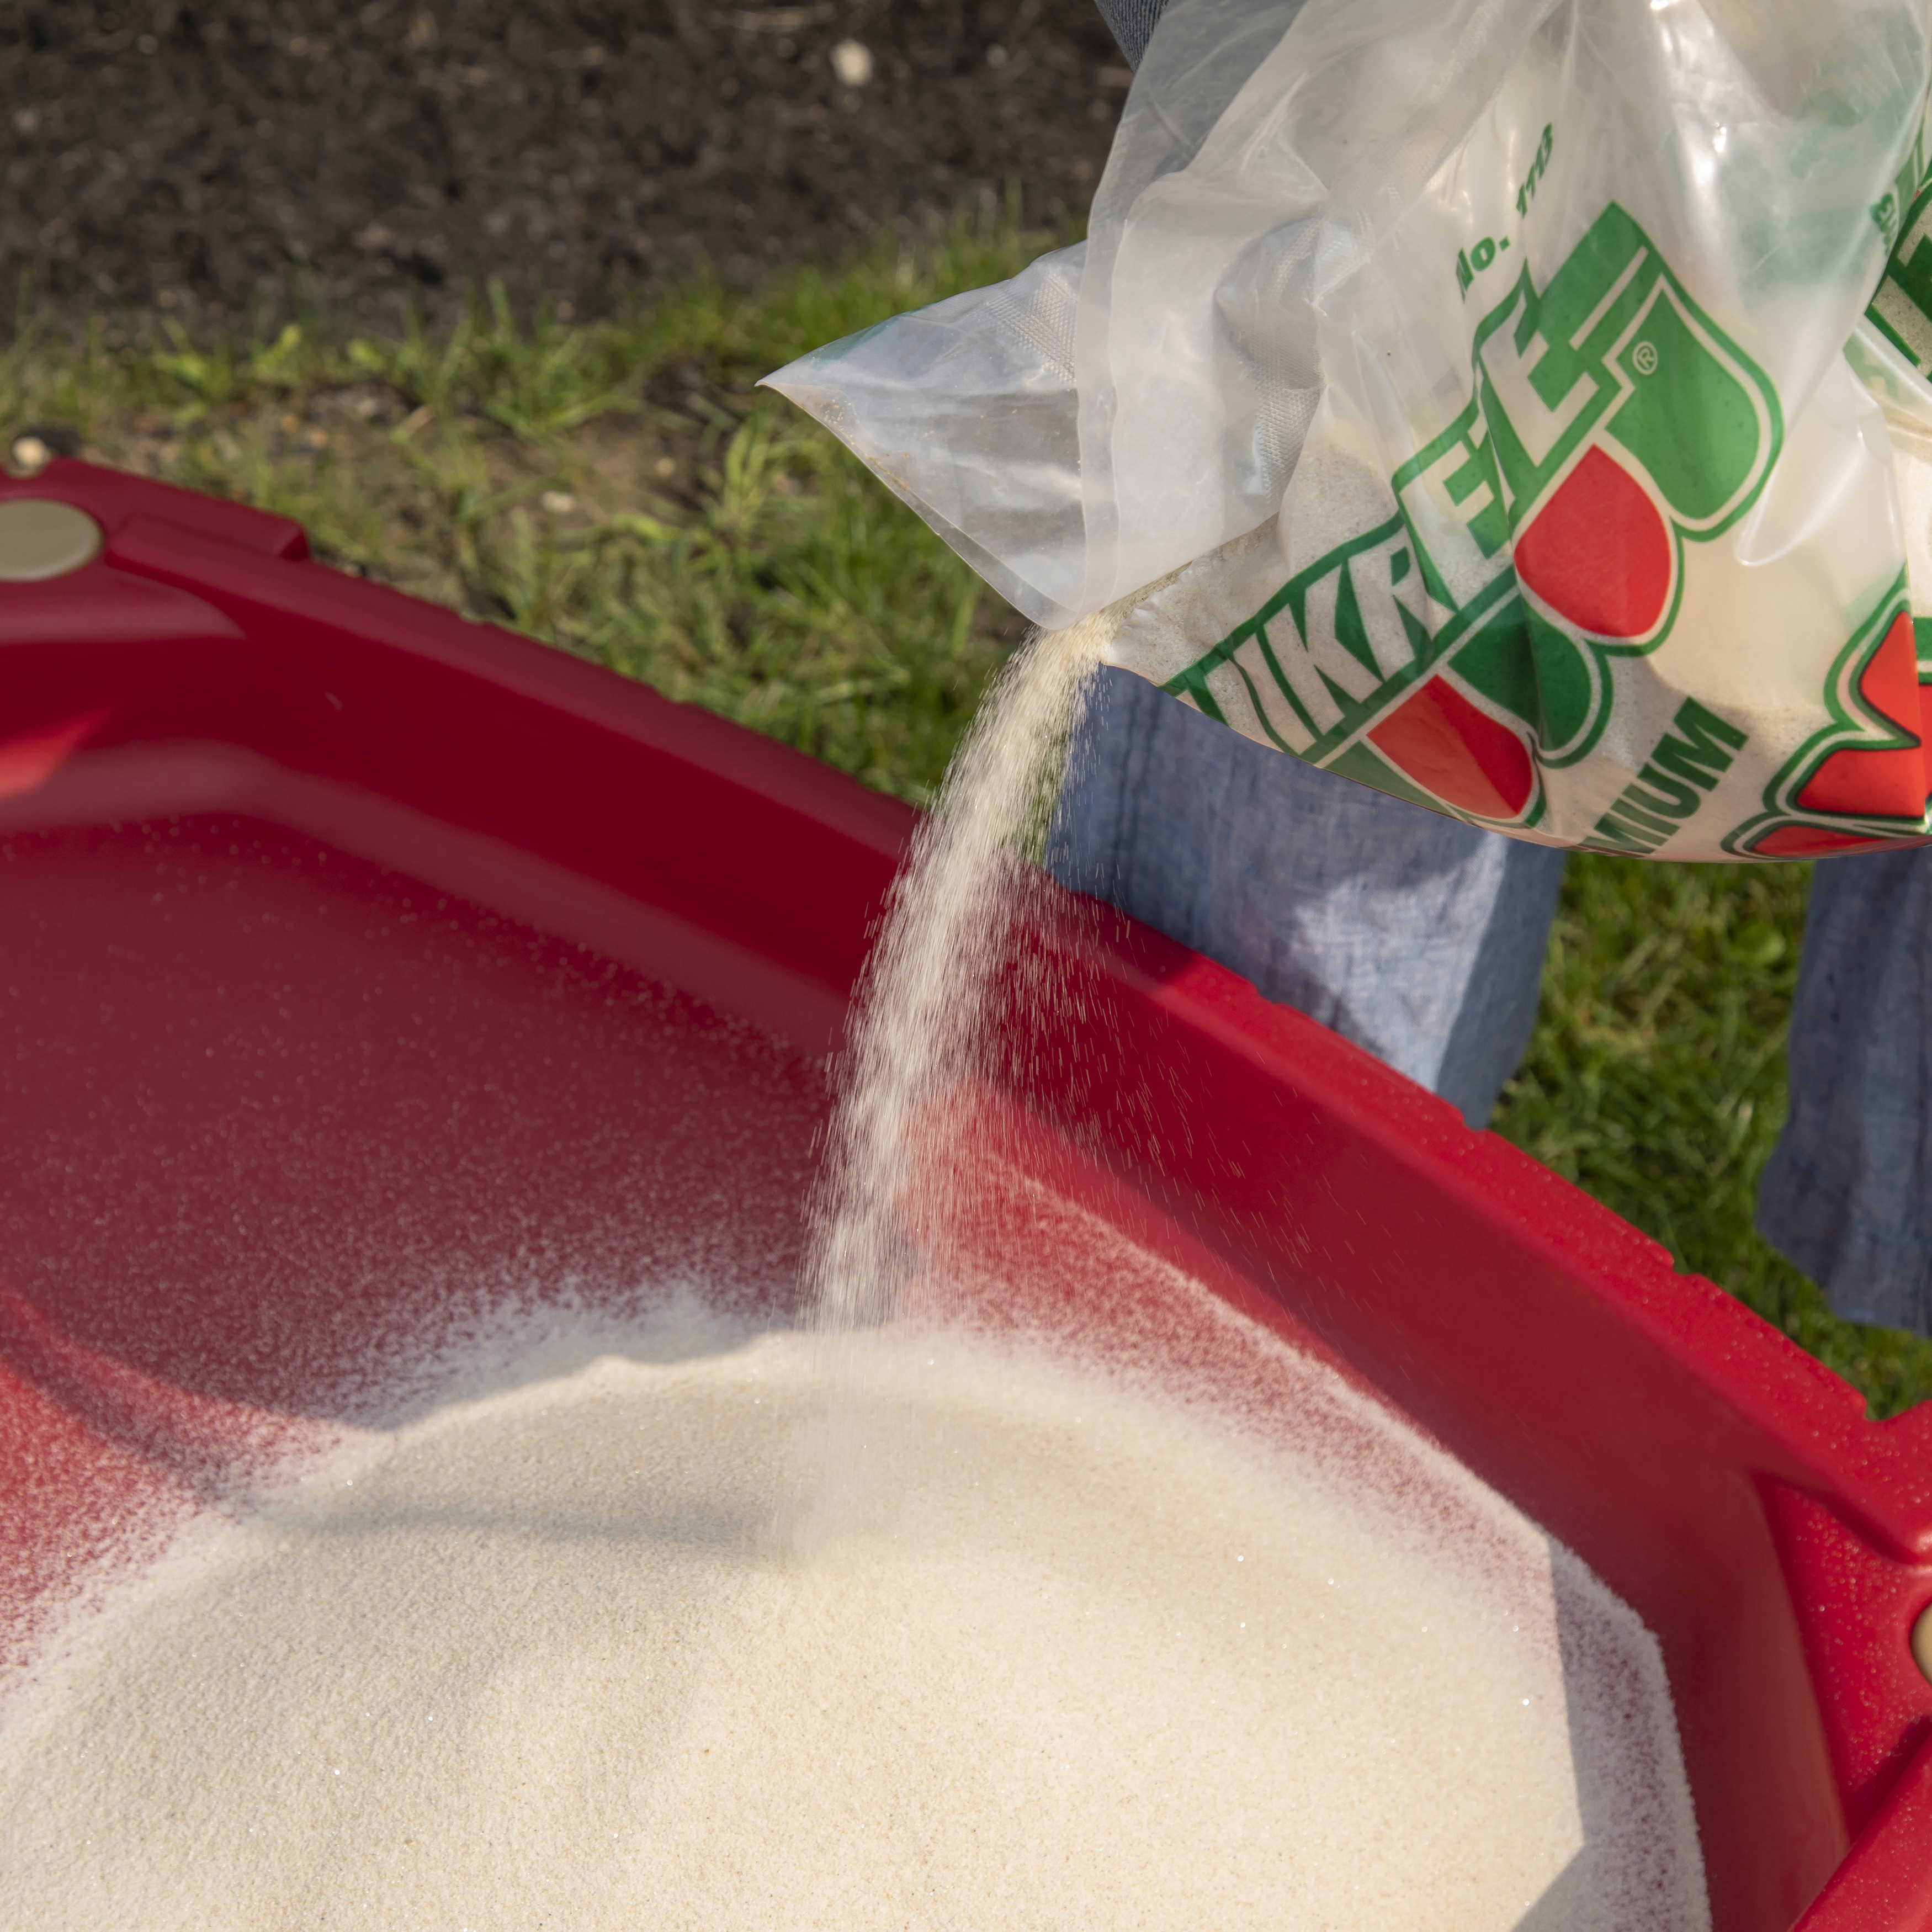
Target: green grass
[(620, 490)]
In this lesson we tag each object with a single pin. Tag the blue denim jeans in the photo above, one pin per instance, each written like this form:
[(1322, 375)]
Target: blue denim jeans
[(1421, 939), (1131, 24), (1847, 1193), (1418, 937)]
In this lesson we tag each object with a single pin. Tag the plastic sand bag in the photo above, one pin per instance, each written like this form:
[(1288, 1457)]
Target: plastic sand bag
[(1519, 406)]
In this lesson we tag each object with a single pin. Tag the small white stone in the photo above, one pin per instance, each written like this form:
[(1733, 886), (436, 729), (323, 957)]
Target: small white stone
[(852, 62)]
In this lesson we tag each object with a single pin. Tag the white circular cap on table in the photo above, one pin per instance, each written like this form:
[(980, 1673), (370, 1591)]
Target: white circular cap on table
[(41, 538)]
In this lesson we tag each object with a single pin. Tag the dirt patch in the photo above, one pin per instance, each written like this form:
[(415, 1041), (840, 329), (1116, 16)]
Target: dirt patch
[(193, 152)]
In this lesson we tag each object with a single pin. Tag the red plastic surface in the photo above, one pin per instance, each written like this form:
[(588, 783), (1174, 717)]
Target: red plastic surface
[(359, 961)]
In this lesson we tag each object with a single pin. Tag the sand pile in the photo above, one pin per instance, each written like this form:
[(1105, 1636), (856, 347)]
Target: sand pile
[(1050, 1651)]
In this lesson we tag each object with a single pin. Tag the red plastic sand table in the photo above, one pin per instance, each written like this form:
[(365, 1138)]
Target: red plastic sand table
[(355, 954)]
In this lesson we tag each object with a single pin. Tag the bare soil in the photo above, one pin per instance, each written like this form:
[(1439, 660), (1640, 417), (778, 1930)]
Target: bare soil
[(204, 154)]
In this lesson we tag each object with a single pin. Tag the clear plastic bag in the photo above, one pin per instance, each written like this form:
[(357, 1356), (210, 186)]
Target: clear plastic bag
[(1466, 396)]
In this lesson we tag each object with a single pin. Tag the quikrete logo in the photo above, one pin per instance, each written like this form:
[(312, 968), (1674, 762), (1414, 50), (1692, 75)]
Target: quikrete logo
[(1449, 653), (1683, 769)]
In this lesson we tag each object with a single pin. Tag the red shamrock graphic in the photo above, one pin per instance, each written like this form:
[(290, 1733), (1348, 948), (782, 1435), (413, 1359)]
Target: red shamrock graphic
[(1890, 783), (1456, 752), (1598, 553), (1815, 842)]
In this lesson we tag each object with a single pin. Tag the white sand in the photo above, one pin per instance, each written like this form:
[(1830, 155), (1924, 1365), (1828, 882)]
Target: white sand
[(1049, 1653)]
